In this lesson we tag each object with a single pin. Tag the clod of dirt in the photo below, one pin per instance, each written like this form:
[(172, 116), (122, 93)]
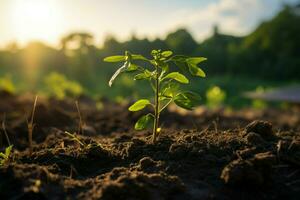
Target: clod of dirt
[(263, 163), (263, 128), (178, 150), (247, 153), (95, 150), (126, 184), (137, 148), (184, 150), (146, 164), (241, 172), (31, 178), (290, 152), (89, 131), (254, 139), (133, 148), (255, 171)]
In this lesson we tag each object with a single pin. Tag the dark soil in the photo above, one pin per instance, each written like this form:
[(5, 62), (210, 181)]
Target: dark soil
[(204, 154)]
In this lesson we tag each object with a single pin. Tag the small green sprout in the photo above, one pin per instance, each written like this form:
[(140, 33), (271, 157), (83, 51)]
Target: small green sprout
[(5, 157), (75, 138), (165, 83)]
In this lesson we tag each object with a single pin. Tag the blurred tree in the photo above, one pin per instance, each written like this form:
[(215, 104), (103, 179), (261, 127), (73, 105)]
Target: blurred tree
[(218, 49), (82, 57), (181, 42), (272, 51)]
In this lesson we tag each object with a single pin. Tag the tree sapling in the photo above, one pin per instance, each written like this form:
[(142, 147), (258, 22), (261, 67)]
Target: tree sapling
[(165, 83)]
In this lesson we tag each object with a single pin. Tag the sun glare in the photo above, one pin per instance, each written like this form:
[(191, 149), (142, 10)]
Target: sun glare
[(35, 19)]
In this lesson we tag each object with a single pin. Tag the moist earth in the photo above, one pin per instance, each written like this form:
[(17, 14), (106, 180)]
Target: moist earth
[(220, 154)]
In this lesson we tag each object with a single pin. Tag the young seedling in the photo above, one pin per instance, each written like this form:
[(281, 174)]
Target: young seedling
[(5, 157), (165, 83), (31, 125), (75, 138)]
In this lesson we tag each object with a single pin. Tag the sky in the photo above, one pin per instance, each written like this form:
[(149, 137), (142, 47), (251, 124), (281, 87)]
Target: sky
[(49, 20)]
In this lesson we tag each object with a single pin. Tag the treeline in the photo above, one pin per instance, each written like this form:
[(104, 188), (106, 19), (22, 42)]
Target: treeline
[(271, 52)]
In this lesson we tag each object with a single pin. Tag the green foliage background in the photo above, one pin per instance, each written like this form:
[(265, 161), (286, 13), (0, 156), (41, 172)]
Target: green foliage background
[(267, 57)]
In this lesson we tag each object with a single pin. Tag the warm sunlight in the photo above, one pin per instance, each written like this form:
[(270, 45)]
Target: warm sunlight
[(35, 19), (150, 99)]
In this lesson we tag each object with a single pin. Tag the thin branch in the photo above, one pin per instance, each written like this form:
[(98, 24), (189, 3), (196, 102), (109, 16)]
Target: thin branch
[(4, 130), (152, 85), (31, 126), (80, 124), (33, 109), (166, 105)]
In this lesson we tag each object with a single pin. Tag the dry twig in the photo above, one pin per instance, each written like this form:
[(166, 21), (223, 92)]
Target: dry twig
[(31, 125)]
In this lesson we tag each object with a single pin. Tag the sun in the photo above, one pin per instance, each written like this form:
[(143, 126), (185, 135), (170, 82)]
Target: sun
[(36, 20)]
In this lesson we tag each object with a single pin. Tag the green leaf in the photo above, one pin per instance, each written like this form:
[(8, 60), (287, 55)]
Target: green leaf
[(179, 58), (139, 105), (195, 60), (178, 77), (165, 69), (187, 100), (145, 75), (5, 155), (8, 150), (115, 59), (196, 71), (132, 67), (170, 90), (182, 65), (166, 53), (143, 122), (154, 52), (120, 70), (180, 61), (138, 57)]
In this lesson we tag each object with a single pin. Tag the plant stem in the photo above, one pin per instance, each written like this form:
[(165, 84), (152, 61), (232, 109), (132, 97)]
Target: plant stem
[(156, 111), (166, 104)]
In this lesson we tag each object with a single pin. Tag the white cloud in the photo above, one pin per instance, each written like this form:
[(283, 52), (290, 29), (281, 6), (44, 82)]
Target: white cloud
[(237, 17)]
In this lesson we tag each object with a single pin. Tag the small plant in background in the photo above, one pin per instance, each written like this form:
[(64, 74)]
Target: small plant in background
[(7, 84), (215, 97), (165, 83), (31, 125), (258, 103), (5, 157), (60, 86)]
